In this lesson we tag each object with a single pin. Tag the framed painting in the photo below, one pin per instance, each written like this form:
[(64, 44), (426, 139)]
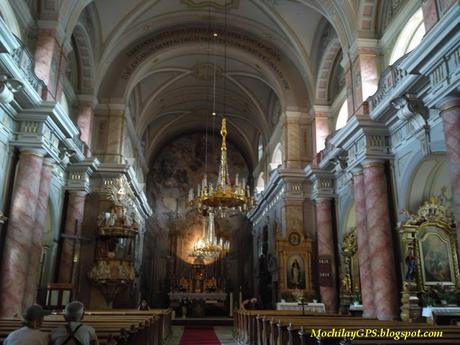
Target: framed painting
[(436, 257), (295, 272)]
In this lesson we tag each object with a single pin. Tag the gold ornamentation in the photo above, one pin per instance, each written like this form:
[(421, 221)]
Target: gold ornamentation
[(123, 218), (431, 210), (117, 228), (350, 245), (223, 195), (428, 239)]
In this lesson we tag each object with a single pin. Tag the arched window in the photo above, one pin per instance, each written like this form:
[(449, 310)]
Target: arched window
[(9, 17), (65, 105), (342, 117), (410, 36), (260, 148), (277, 157), (260, 183)]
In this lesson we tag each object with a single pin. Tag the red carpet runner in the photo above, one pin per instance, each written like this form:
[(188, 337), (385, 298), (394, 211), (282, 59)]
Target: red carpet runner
[(199, 336)]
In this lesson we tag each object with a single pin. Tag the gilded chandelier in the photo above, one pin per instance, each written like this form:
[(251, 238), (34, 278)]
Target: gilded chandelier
[(224, 195), (209, 246)]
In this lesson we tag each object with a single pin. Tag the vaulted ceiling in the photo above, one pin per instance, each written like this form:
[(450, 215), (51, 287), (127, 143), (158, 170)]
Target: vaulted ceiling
[(158, 56)]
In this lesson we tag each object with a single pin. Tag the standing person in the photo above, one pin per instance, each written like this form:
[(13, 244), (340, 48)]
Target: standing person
[(30, 333), (74, 332)]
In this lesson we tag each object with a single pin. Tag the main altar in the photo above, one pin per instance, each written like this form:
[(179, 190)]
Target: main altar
[(200, 296)]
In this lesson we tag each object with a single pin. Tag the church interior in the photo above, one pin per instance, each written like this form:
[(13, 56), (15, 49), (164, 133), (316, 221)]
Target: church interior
[(252, 172)]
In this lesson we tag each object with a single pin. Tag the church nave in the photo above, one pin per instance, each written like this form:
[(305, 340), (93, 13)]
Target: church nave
[(229, 171)]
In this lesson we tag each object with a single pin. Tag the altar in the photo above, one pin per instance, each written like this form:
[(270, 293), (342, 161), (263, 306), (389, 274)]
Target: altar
[(308, 307), (208, 297), (200, 304)]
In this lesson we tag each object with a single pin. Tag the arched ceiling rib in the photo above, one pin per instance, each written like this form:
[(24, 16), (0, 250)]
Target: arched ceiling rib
[(150, 50)]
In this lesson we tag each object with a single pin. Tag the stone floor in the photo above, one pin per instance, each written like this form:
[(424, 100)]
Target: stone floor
[(224, 333)]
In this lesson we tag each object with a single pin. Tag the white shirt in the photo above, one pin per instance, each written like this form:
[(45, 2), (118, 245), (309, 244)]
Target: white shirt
[(84, 335), (26, 336)]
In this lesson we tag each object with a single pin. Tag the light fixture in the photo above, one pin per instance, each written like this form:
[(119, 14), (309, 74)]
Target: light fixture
[(224, 195), (209, 246)]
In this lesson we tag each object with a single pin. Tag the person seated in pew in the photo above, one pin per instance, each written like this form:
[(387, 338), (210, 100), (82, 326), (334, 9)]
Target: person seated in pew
[(74, 332), (30, 333), (143, 305)]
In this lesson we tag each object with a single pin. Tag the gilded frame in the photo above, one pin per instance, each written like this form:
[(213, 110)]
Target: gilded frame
[(421, 234), (433, 260)]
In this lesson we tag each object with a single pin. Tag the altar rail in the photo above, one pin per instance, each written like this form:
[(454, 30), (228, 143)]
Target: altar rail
[(272, 327), (121, 327)]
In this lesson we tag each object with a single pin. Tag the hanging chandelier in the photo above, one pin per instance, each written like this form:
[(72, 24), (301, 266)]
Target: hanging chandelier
[(209, 246), (224, 195)]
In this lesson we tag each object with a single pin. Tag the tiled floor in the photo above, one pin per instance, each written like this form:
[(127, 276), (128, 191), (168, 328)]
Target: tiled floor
[(224, 333)]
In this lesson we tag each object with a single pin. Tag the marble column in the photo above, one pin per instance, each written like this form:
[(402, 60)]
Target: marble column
[(18, 239), (430, 13), (322, 126), (30, 291), (70, 247), (450, 113), (50, 63), (365, 276), (380, 242), (326, 248), (85, 121)]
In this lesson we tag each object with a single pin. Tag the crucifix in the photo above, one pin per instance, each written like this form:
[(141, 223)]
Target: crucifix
[(77, 239), (303, 304)]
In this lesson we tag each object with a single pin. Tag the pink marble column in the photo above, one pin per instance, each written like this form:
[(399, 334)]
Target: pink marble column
[(450, 112), (85, 123), (326, 248), (70, 247), (380, 241), (430, 14), (35, 252), (19, 232), (50, 63), (367, 288)]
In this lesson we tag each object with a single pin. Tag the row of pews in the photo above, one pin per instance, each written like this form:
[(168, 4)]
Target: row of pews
[(289, 327), (113, 327)]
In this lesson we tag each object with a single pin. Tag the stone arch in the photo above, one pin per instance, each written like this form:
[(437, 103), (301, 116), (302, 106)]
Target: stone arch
[(432, 173), (86, 63), (368, 15), (277, 157), (9, 17), (326, 67)]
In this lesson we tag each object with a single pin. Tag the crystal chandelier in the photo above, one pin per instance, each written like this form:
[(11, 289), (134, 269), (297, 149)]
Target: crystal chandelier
[(223, 195), (209, 246)]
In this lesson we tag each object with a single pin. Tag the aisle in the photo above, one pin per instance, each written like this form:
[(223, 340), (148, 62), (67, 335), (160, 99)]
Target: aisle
[(216, 335), (199, 336)]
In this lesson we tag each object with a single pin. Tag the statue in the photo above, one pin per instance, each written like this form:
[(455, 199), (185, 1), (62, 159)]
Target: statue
[(295, 273), (411, 262), (345, 283)]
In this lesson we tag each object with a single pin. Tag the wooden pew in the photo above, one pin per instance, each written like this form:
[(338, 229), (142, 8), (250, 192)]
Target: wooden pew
[(273, 328), (124, 327)]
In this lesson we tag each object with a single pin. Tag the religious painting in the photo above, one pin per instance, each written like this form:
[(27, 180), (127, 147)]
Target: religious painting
[(295, 272), (294, 238), (436, 255)]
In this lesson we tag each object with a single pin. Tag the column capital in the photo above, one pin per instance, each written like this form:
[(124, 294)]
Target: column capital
[(78, 193), (357, 170), (448, 103), (32, 152), (373, 162)]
